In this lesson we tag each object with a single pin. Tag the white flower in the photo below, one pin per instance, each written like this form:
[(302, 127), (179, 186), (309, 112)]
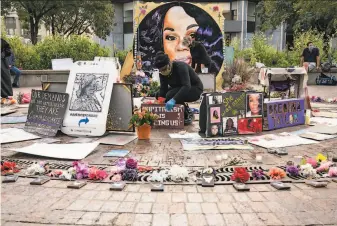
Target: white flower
[(178, 174), (35, 169), (308, 171)]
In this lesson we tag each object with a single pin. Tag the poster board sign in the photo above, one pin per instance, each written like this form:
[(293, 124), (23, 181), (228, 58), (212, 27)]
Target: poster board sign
[(89, 87), (250, 125), (234, 104), (62, 64), (285, 113), (46, 112), (121, 108), (173, 119), (214, 127)]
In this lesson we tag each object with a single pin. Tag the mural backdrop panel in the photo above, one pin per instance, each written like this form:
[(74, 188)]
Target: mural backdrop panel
[(162, 27)]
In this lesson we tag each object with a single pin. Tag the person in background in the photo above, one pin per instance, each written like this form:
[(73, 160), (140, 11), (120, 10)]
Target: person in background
[(6, 84), (178, 84), (14, 70), (310, 57)]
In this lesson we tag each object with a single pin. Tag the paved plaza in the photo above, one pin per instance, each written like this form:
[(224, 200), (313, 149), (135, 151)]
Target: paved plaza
[(54, 204)]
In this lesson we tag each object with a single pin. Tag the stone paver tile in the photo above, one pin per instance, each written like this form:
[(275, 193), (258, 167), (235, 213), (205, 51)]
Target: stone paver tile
[(107, 218), (52, 183), (214, 220), (126, 207), (145, 188), (174, 188), (252, 219), (160, 208), (197, 220), (90, 186), (88, 195), (132, 187), (262, 187), (110, 206), (259, 207), (288, 218), (94, 205), (143, 207), (141, 223), (133, 197), (177, 208), (303, 186), (256, 197), (231, 189), (269, 219), (164, 198), (275, 207), (193, 208), (71, 217), (271, 196), (220, 189), (226, 208), (210, 197), (103, 195), (205, 189), (147, 218), (89, 218), (62, 204), (179, 197), (118, 196), (325, 217), (225, 197), (78, 205), (148, 197), (243, 207), (161, 220), (194, 197), (209, 208), (179, 220), (190, 189), (241, 197), (103, 187), (233, 219), (301, 194), (124, 219)]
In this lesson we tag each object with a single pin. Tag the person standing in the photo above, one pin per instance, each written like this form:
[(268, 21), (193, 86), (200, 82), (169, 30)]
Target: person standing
[(178, 84), (6, 83), (310, 57), (16, 71)]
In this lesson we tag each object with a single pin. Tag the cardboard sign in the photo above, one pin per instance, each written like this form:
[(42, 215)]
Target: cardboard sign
[(173, 119), (250, 125), (234, 104), (46, 112), (285, 113)]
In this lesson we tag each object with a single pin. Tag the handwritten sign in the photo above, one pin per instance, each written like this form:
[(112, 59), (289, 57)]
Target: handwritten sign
[(46, 112), (234, 104), (285, 113), (173, 119)]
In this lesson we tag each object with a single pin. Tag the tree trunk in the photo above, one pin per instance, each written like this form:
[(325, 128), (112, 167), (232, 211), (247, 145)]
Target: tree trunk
[(34, 29), (53, 25)]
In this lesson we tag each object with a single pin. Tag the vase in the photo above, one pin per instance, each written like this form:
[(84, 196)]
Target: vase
[(143, 132)]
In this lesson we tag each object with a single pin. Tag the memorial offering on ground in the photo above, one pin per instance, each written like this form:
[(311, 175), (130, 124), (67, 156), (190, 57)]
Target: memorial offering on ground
[(220, 143), (46, 112), (250, 125), (14, 135), (173, 119)]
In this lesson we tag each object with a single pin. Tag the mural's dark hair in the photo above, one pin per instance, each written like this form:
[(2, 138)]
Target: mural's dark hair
[(150, 38)]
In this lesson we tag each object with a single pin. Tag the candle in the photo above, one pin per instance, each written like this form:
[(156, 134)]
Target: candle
[(259, 159), (218, 159), (224, 156)]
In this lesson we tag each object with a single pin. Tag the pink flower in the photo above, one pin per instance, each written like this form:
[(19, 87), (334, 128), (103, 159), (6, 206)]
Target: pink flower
[(142, 10), (312, 162), (332, 172), (324, 167), (96, 174), (82, 169), (131, 163)]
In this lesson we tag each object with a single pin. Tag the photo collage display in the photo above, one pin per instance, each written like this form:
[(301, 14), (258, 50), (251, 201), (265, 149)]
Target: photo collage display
[(234, 113)]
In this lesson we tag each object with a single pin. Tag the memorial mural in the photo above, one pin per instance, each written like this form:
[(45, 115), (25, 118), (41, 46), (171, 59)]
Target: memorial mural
[(163, 26)]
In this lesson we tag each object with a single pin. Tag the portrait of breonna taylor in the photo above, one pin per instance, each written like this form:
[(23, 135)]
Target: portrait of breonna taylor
[(164, 28)]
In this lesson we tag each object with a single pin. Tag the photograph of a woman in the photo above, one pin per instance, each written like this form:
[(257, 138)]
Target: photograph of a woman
[(254, 105), (165, 27), (215, 114), (230, 125), (215, 130)]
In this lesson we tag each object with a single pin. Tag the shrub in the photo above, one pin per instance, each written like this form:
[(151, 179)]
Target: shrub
[(121, 54)]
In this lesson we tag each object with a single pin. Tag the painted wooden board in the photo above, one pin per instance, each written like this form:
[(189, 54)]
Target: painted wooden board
[(89, 87)]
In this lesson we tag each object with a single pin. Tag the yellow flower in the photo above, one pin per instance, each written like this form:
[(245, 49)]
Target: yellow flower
[(320, 157)]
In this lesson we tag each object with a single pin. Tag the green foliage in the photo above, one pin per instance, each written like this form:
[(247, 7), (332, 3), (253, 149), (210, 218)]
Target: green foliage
[(39, 57), (121, 54), (140, 118)]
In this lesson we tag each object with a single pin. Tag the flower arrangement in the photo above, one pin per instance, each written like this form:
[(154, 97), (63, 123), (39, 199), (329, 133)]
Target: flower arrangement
[(332, 172), (178, 173), (8, 168), (257, 174), (308, 171), (131, 163), (97, 174), (140, 118), (292, 170), (37, 169), (276, 173), (312, 162), (82, 170), (240, 175), (320, 99), (324, 167)]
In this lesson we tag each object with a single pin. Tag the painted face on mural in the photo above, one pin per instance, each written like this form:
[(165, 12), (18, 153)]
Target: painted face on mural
[(254, 100), (177, 25)]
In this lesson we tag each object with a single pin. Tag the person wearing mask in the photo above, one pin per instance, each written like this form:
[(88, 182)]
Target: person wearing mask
[(310, 57), (178, 84), (6, 83), (14, 70)]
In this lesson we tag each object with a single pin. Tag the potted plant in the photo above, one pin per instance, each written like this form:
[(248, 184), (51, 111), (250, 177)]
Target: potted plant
[(143, 121)]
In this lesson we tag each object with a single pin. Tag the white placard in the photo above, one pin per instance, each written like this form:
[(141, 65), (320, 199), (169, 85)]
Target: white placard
[(278, 141), (60, 151), (89, 87), (15, 135), (62, 64)]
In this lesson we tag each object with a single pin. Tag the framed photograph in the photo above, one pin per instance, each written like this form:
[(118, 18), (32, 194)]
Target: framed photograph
[(215, 115), (230, 125), (254, 105), (215, 130), (250, 125), (215, 99)]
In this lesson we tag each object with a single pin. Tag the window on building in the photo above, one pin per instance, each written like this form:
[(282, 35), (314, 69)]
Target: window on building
[(128, 27), (234, 10), (251, 12), (128, 16)]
